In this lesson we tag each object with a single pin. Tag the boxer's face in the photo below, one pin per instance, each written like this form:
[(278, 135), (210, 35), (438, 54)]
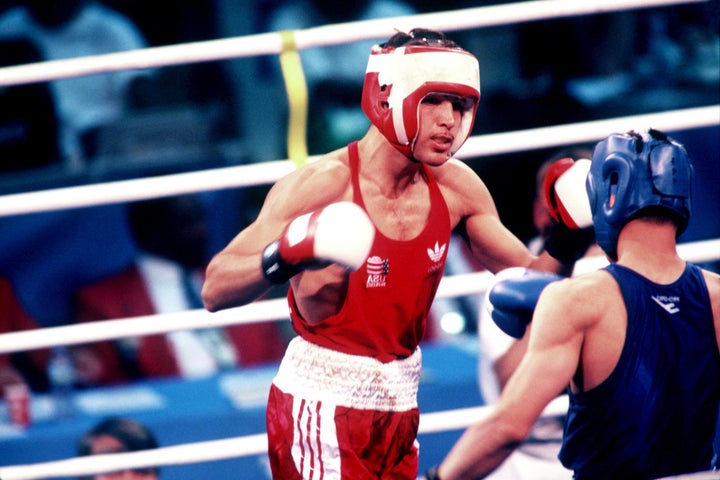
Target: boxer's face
[(439, 123)]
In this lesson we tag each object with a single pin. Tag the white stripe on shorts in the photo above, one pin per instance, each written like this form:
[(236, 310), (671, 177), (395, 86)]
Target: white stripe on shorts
[(315, 450)]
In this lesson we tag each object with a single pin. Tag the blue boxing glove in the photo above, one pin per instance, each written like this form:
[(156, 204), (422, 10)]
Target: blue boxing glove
[(512, 299)]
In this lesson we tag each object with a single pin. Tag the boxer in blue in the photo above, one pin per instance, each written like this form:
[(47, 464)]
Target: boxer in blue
[(635, 343)]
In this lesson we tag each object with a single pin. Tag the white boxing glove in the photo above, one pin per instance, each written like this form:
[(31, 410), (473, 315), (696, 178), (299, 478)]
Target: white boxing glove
[(340, 233), (571, 233), (565, 192)]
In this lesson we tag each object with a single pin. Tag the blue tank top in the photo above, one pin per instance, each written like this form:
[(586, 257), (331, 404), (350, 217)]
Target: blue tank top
[(655, 414)]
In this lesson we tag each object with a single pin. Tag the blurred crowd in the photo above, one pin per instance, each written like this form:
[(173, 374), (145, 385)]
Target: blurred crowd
[(118, 261)]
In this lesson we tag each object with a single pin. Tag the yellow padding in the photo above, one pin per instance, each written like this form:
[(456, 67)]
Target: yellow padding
[(297, 99)]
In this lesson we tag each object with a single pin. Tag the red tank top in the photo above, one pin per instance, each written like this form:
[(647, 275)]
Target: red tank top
[(388, 298)]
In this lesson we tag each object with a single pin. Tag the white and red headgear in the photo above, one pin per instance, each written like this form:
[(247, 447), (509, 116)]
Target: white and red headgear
[(398, 78)]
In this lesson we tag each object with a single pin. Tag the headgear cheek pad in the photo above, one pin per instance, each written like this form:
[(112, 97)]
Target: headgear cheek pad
[(397, 80), (631, 172)]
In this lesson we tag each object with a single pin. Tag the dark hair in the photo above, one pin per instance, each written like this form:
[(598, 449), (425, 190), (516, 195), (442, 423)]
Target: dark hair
[(420, 36), (659, 215), (133, 435)]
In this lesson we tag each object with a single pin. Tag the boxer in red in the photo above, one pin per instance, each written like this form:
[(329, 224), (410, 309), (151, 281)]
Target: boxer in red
[(362, 236)]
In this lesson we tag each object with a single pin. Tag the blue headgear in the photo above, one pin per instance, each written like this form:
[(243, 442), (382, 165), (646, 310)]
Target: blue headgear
[(634, 171)]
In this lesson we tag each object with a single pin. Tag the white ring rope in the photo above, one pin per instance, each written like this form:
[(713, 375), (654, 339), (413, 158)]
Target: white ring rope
[(271, 43), (158, 457), (228, 448), (265, 310), (268, 172), (248, 445)]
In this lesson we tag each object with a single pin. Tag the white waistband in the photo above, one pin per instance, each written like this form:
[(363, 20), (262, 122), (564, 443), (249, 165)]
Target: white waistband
[(314, 372)]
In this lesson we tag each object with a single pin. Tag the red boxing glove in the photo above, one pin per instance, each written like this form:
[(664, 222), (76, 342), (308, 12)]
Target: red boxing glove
[(340, 233), (568, 203), (565, 193)]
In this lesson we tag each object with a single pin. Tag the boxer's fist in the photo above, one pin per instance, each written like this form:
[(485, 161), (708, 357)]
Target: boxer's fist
[(565, 193), (567, 201), (340, 233), (513, 296)]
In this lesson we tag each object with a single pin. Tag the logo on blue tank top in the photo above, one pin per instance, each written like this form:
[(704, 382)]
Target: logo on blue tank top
[(667, 303)]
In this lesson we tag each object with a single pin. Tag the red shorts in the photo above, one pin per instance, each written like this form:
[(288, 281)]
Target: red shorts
[(308, 440), (333, 416)]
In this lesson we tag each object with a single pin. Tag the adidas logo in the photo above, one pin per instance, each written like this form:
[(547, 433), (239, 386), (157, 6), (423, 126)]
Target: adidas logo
[(437, 252)]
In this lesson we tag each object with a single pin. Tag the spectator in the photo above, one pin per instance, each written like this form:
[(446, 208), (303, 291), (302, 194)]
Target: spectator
[(26, 368), (75, 28), (116, 435), (29, 135), (166, 277)]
